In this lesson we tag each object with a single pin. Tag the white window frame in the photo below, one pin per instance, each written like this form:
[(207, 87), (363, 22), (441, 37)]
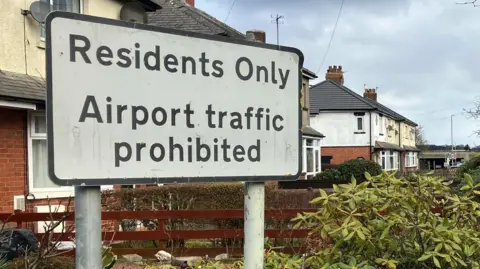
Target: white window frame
[(356, 123), (316, 146), (42, 38), (386, 154), (411, 159), (43, 193)]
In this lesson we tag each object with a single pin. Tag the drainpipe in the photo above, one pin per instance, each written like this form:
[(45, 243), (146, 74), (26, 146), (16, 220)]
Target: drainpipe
[(400, 143), (370, 134)]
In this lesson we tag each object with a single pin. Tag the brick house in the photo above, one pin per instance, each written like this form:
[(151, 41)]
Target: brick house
[(24, 180), (360, 127)]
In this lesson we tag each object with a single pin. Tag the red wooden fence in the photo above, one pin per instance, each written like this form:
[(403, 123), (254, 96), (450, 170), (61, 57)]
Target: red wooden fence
[(163, 234)]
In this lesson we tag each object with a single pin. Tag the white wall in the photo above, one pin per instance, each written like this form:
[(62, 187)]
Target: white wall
[(339, 129)]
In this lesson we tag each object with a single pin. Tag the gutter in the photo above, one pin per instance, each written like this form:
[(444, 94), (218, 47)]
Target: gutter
[(370, 134)]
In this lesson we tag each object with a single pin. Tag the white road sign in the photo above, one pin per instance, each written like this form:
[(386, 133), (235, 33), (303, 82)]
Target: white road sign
[(130, 104)]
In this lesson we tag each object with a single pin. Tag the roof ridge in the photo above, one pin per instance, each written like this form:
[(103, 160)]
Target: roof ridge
[(352, 93)]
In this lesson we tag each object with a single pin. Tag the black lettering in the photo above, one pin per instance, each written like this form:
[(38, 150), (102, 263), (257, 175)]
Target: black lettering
[(221, 115), (225, 147), (215, 150), (274, 80), (250, 68), (259, 116), (267, 119), (275, 126), (204, 61), (248, 115), (251, 150), (190, 151), (210, 113), (82, 50), (96, 112), (265, 73), (135, 120), (238, 152), (236, 123), (140, 146), (104, 52), (188, 112), (152, 152), (170, 62), (217, 66), (174, 146), (186, 59), (123, 54), (199, 148), (175, 111), (283, 78), (154, 116), (109, 110), (137, 56), (156, 58), (124, 158), (120, 109)]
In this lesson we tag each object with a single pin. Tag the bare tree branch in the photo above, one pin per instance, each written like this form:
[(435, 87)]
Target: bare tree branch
[(474, 113), (473, 3)]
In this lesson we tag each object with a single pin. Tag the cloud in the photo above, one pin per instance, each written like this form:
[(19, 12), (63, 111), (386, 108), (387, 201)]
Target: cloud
[(421, 54)]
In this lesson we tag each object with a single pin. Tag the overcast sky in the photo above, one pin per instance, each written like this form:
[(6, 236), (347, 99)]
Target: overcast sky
[(421, 54)]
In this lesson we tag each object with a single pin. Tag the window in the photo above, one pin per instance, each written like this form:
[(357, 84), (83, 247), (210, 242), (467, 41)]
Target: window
[(389, 160), (411, 159), (359, 124), (62, 5), (412, 132), (311, 156), (405, 135), (39, 182)]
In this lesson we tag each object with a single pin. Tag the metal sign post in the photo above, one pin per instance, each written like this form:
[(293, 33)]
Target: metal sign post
[(254, 224), (88, 227), (134, 104)]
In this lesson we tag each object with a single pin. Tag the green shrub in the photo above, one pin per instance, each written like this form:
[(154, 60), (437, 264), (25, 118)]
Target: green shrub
[(330, 174), (387, 222), (357, 169), (472, 164)]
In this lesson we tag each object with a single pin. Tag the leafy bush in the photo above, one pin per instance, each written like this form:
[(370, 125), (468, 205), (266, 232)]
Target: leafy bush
[(330, 174), (355, 168), (387, 222), (472, 164)]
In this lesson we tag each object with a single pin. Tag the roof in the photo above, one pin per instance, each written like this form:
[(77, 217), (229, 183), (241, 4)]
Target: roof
[(18, 86), (307, 130), (309, 73), (409, 148), (149, 5), (175, 14), (386, 145), (329, 95)]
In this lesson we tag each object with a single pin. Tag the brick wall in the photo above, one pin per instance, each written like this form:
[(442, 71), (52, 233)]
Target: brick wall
[(13, 156), (343, 154)]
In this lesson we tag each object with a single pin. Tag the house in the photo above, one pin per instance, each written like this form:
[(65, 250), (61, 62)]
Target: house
[(358, 126), (23, 145)]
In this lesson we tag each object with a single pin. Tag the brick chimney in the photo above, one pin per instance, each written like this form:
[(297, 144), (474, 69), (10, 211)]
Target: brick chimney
[(335, 73), (190, 2), (370, 94), (257, 35)]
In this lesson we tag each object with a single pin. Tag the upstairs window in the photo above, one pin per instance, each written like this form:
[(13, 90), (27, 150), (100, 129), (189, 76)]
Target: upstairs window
[(74, 6), (359, 124)]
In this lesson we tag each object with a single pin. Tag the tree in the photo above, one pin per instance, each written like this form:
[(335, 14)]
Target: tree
[(420, 137), (472, 2), (474, 113), (467, 147)]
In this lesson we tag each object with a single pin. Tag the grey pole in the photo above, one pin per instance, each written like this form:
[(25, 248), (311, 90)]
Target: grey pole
[(88, 227), (254, 214)]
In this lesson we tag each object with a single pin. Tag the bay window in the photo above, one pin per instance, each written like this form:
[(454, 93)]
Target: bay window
[(311, 156), (411, 159), (389, 160)]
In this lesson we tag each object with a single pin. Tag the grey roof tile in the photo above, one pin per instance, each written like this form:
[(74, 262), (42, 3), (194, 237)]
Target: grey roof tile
[(307, 130), (177, 15), (329, 95), (21, 86)]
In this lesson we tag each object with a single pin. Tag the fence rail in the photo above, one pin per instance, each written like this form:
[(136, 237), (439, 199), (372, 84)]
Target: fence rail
[(162, 234)]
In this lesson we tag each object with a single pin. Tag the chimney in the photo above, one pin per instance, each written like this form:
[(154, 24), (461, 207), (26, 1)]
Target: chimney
[(335, 73), (370, 94), (190, 2), (257, 35)]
